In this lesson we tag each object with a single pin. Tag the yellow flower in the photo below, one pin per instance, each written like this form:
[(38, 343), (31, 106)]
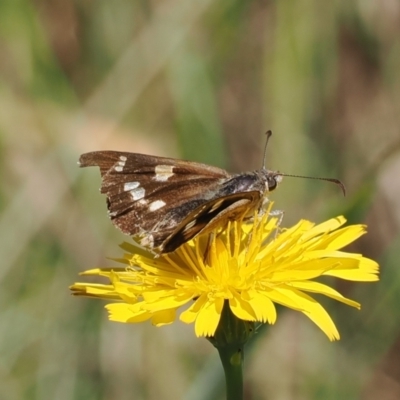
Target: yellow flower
[(249, 265)]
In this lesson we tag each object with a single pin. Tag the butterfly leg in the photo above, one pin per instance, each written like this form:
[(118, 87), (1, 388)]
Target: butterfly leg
[(280, 214), (275, 213)]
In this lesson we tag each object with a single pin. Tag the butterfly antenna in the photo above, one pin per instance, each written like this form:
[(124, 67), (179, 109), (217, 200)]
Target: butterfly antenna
[(333, 180), (269, 134)]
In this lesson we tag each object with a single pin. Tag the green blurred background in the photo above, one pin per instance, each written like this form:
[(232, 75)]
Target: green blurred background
[(200, 80)]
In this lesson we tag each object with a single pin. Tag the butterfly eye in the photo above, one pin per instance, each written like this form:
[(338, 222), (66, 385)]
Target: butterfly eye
[(272, 182)]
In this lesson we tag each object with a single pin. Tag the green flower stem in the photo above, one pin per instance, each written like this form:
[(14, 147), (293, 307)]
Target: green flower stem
[(230, 337), (232, 361)]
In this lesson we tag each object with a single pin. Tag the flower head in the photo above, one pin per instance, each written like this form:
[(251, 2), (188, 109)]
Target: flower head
[(251, 266)]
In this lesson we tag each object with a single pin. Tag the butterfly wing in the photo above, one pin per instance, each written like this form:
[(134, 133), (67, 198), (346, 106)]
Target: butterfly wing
[(147, 194), (208, 216)]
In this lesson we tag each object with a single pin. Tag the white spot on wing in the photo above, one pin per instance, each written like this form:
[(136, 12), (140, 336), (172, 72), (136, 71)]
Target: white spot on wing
[(131, 185), (148, 241), (163, 172), (191, 224), (138, 193), (216, 206), (156, 205), (119, 167)]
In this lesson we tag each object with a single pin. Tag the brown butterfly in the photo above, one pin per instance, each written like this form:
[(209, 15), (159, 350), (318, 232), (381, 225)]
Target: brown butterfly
[(167, 202)]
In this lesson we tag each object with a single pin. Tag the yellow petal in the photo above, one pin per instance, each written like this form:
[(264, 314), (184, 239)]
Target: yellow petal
[(316, 287), (344, 236), (190, 315), (313, 310), (163, 317), (262, 306), (279, 296), (325, 227), (208, 317), (367, 271), (122, 312), (241, 308), (167, 302)]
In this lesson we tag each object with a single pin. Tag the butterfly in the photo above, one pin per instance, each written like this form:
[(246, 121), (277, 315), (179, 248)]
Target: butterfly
[(166, 202)]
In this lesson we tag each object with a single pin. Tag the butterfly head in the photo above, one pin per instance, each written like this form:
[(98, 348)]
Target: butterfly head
[(271, 179)]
